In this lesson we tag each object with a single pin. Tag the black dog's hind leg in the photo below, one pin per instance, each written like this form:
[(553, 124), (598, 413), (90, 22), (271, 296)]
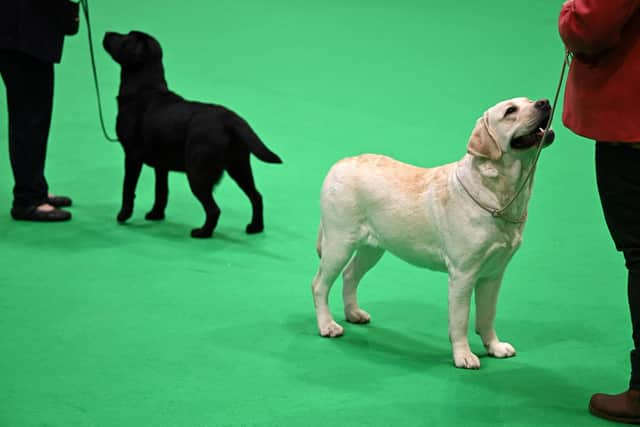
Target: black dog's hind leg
[(240, 171), (201, 184), (162, 193), (132, 168)]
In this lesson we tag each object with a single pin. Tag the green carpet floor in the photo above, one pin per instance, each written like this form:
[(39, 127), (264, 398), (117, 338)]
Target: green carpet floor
[(140, 325)]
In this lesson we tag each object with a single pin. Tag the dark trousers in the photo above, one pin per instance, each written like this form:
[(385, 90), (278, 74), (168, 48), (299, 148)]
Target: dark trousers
[(618, 175), (29, 84)]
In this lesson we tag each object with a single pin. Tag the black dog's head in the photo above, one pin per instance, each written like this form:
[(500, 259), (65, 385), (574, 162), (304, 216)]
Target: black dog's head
[(133, 50), (140, 59)]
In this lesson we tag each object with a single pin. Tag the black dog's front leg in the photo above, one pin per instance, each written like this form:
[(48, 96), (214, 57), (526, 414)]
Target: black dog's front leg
[(162, 193), (132, 168)]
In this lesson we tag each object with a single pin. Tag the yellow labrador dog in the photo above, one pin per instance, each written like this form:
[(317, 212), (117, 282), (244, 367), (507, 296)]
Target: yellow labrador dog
[(433, 218)]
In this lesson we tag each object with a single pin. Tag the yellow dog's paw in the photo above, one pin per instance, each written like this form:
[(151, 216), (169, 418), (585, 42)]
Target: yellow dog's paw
[(331, 330), (501, 350), (466, 360), (357, 315)]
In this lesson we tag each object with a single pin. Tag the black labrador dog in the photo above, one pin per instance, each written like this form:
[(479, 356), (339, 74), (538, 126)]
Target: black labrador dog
[(163, 130)]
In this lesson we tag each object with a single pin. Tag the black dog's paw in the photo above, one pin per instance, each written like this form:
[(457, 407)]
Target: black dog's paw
[(254, 228), (201, 233), (124, 215), (154, 215)]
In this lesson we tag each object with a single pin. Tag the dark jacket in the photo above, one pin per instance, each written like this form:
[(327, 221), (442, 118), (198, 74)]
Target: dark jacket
[(34, 27), (601, 97)]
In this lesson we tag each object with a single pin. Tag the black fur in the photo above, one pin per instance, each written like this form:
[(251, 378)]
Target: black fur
[(161, 129)]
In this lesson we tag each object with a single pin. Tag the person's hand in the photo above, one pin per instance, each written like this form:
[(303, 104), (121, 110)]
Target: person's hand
[(70, 16), (587, 59)]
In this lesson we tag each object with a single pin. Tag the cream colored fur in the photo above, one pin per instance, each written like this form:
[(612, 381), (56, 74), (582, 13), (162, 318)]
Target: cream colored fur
[(371, 204)]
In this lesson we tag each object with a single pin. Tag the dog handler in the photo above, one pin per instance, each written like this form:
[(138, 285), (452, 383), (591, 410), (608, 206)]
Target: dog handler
[(31, 37), (601, 103)]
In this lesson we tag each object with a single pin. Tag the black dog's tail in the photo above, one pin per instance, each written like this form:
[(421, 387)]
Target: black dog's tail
[(245, 134)]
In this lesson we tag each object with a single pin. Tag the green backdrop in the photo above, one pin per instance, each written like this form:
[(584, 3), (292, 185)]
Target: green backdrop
[(140, 325)]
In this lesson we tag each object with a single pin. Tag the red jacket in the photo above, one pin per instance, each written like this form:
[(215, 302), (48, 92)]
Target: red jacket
[(602, 95)]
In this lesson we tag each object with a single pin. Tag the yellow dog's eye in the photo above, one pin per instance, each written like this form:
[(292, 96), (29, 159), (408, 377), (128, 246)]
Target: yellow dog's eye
[(510, 110)]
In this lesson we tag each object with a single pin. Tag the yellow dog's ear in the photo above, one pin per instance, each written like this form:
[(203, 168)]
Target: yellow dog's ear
[(482, 143)]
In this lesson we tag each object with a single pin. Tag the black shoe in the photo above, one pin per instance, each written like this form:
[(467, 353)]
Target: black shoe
[(33, 214), (59, 201)]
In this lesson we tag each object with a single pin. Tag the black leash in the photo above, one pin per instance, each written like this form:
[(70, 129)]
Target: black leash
[(85, 8)]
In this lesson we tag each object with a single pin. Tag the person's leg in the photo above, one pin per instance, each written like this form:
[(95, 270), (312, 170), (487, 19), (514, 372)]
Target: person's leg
[(29, 84), (632, 258), (618, 179), (29, 87)]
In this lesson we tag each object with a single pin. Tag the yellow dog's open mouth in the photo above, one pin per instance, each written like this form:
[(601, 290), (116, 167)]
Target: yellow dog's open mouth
[(534, 138)]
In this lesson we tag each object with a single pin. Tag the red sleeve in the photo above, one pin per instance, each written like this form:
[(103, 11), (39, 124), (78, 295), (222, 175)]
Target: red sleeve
[(592, 26)]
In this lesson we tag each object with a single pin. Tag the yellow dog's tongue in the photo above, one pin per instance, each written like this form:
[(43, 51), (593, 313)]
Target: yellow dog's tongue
[(532, 139)]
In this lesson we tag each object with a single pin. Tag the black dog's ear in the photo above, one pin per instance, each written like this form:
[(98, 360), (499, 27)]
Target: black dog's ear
[(143, 49), (154, 51), (136, 55)]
